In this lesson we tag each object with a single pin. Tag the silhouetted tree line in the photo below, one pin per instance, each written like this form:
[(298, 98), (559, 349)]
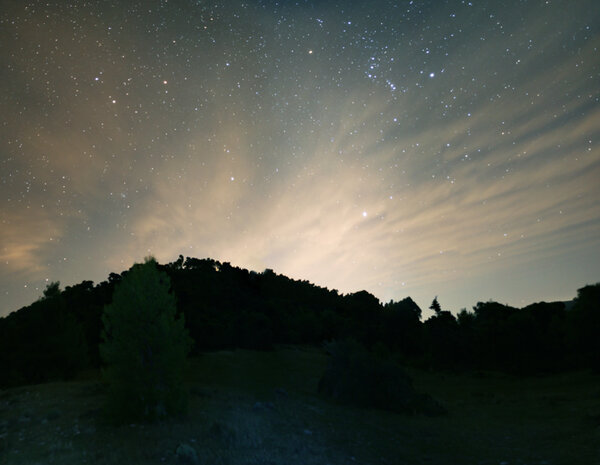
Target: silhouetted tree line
[(227, 307)]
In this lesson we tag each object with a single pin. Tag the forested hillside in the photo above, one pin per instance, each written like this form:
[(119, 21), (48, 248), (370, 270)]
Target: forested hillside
[(227, 307)]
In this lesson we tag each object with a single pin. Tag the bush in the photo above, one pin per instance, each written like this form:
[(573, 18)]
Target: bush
[(354, 376), (145, 347)]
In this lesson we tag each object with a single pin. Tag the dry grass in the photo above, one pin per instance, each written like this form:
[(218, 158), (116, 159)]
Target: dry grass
[(262, 408)]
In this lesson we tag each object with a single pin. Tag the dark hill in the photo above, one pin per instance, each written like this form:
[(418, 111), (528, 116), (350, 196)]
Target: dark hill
[(230, 307)]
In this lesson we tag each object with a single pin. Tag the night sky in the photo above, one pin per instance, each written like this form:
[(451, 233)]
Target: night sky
[(409, 148)]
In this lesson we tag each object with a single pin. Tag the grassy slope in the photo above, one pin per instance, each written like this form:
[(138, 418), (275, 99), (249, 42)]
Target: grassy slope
[(493, 419)]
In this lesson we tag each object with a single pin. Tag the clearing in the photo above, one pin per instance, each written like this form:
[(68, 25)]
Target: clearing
[(262, 408)]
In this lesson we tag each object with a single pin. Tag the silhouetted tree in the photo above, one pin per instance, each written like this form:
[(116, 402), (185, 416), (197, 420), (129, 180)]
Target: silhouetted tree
[(401, 327), (363, 310), (69, 346), (443, 340), (545, 348), (52, 290), (585, 326), (491, 346), (144, 347), (435, 306)]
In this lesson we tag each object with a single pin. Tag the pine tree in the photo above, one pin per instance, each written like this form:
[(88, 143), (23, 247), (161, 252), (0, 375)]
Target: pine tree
[(435, 306), (144, 347)]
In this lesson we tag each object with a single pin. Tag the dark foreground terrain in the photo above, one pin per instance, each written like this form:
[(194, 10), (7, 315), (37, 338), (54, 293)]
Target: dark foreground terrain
[(262, 408)]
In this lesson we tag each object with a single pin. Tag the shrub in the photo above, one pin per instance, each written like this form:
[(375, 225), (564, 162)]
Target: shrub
[(354, 376), (144, 348)]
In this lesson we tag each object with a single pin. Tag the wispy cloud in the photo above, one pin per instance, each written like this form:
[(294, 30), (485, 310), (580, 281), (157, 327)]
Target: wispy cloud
[(469, 150)]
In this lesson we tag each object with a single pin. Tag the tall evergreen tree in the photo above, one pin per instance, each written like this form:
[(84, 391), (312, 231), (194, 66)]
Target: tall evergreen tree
[(435, 306), (144, 347)]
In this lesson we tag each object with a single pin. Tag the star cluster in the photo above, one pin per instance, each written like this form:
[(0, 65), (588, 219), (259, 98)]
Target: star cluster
[(403, 147)]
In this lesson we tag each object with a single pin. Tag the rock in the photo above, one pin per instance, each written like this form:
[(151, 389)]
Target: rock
[(186, 454)]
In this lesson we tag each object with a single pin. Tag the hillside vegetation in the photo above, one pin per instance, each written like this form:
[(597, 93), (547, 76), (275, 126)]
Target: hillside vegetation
[(226, 307)]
